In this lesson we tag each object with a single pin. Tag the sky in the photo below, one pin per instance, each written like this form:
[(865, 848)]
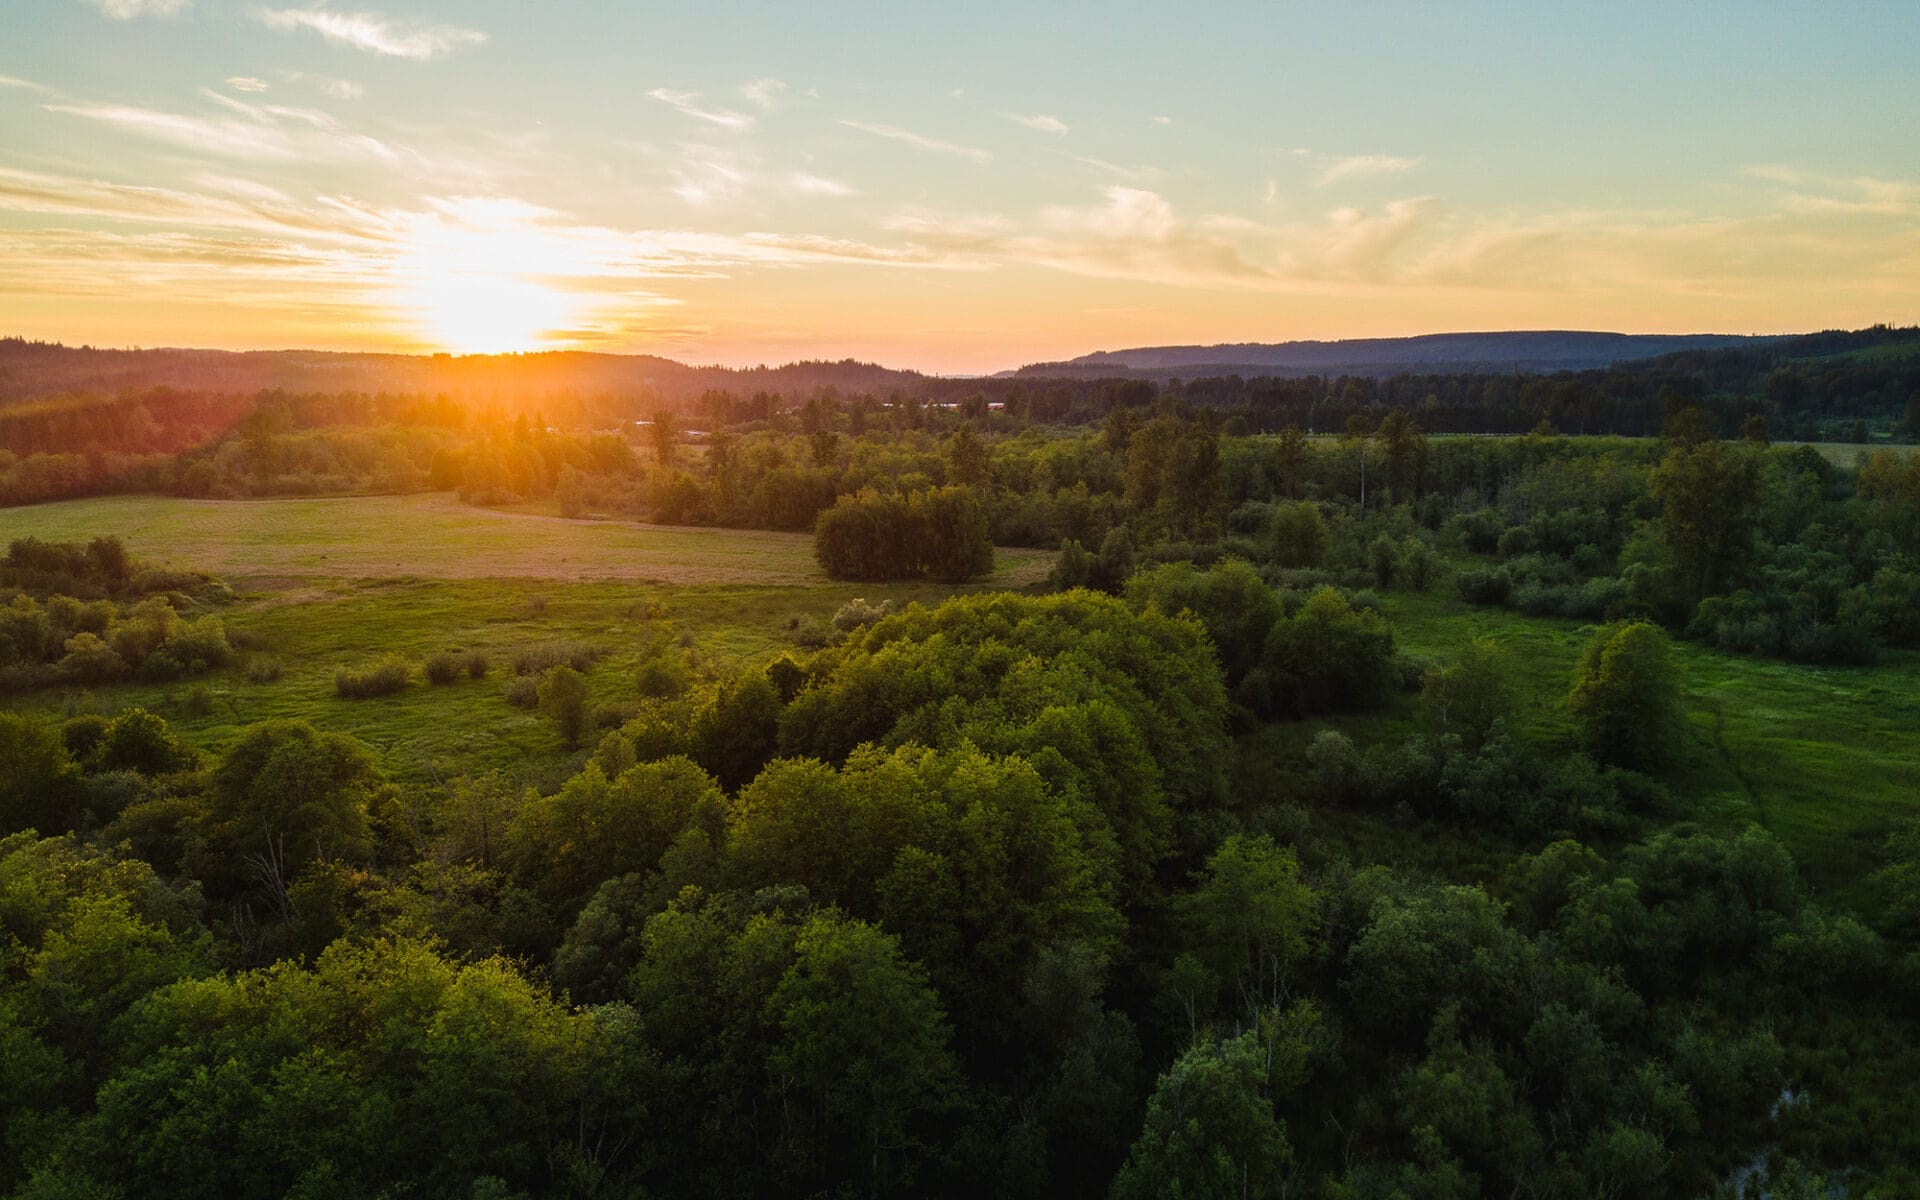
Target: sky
[(956, 188)]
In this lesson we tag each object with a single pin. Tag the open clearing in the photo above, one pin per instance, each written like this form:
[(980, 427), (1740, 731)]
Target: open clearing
[(435, 536), (340, 582)]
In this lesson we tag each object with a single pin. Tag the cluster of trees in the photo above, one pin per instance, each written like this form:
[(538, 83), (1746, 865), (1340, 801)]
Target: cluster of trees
[(89, 614), (941, 534)]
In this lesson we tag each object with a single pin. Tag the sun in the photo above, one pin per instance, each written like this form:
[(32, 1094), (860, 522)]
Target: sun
[(469, 311), (476, 279)]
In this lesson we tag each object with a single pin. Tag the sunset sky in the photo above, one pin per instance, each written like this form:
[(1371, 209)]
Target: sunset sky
[(952, 187)]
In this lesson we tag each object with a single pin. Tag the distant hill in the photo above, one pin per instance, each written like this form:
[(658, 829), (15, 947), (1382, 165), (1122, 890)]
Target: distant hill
[(1434, 353), (30, 370)]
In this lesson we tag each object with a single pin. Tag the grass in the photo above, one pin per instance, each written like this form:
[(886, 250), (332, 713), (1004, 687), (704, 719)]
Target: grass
[(435, 536), (474, 581), (1823, 757)]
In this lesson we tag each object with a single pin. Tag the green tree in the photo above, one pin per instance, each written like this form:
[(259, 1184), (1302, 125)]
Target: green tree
[(1626, 696), (969, 460), (1707, 494), (1248, 922), (1210, 1132), (563, 700), (1470, 694), (1299, 535), (286, 795), (39, 785)]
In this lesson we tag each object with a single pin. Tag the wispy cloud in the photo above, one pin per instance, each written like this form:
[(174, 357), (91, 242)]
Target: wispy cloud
[(689, 104), (766, 93), (339, 89), (127, 10), (921, 141), (1361, 166), (1835, 195), (1160, 121), (815, 185), (254, 132), (374, 33), (1040, 121), (246, 83), (706, 176), (1130, 234), (9, 81)]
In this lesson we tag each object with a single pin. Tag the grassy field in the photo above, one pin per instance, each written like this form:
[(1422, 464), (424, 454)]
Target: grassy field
[(326, 583), (435, 536), (1826, 758)]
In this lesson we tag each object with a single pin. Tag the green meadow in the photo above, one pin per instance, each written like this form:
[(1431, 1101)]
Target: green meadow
[(341, 582), (1824, 757)]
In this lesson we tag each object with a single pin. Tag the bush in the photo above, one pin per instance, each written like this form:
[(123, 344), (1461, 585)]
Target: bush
[(198, 701), (382, 678), (1516, 542), (476, 665), (1626, 696), (1298, 535), (542, 657), (200, 646), (1329, 656), (1488, 586), (1074, 567), (90, 660), (858, 614), (442, 668), (562, 696), (523, 691), (263, 670), (82, 734)]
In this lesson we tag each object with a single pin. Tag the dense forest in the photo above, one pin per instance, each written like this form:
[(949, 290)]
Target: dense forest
[(965, 901), (998, 892)]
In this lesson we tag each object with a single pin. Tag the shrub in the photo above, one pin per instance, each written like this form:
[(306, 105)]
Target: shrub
[(476, 665), (542, 657), (1298, 535), (84, 733), (90, 660), (263, 670), (858, 614), (200, 646), (1488, 586), (442, 668), (1516, 542), (1626, 696), (562, 696), (383, 678), (198, 701), (1329, 656), (523, 691), (1074, 567)]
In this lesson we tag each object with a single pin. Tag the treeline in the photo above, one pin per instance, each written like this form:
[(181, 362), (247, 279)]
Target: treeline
[(965, 902)]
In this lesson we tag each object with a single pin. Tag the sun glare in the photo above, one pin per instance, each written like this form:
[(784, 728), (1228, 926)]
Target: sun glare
[(475, 284), (478, 312)]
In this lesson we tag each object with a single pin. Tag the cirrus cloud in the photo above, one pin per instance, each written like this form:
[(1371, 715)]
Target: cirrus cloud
[(373, 32), (127, 10)]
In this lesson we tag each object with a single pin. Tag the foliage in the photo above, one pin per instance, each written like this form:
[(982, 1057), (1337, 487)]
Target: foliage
[(1625, 698)]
